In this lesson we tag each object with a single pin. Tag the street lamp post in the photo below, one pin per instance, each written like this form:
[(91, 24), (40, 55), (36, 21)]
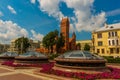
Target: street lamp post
[(22, 45)]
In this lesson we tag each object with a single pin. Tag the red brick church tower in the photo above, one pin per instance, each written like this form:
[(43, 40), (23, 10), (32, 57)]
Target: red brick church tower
[(65, 32), (70, 43)]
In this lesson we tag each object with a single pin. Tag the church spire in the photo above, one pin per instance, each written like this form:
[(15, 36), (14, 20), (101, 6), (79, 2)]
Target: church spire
[(73, 35)]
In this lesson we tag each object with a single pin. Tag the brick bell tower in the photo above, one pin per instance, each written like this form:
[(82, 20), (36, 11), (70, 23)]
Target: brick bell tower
[(65, 32)]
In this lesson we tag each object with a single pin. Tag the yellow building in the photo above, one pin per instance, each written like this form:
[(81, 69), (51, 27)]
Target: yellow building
[(83, 42), (12, 47), (106, 40)]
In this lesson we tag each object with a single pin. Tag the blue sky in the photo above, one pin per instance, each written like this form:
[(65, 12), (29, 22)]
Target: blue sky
[(35, 18)]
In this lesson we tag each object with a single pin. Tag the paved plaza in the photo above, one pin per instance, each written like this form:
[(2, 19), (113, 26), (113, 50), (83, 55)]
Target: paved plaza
[(7, 73)]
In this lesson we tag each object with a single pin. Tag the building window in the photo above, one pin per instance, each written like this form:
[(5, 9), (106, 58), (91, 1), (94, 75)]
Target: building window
[(115, 33), (112, 34), (109, 43), (109, 34), (111, 50), (103, 51), (98, 50), (117, 43), (117, 50), (113, 42), (100, 43), (99, 35)]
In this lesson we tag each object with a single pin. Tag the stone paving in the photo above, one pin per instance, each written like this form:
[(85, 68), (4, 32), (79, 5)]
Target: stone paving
[(7, 73)]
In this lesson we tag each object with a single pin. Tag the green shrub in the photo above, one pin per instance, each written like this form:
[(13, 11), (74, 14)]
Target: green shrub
[(110, 59), (52, 56)]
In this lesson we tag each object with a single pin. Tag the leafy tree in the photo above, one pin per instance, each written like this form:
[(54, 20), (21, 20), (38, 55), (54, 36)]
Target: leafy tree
[(22, 44), (60, 42), (50, 40), (87, 47), (78, 46)]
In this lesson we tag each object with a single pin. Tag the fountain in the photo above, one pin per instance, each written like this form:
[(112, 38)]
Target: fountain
[(80, 60), (7, 56), (31, 57)]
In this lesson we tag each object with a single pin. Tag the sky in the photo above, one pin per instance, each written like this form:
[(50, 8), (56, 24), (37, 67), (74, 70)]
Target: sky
[(35, 18)]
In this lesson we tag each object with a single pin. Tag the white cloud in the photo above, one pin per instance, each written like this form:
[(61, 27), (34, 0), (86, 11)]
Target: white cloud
[(33, 1), (91, 24), (84, 19), (1, 14), (82, 9), (10, 30), (36, 36), (12, 10), (51, 7), (72, 28), (113, 12)]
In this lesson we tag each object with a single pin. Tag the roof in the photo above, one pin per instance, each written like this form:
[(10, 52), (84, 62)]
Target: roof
[(80, 55), (84, 41), (13, 40), (32, 54), (70, 39), (109, 27), (12, 54)]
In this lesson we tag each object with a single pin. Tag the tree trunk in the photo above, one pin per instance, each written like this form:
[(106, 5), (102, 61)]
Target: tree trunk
[(51, 49), (56, 50), (48, 50)]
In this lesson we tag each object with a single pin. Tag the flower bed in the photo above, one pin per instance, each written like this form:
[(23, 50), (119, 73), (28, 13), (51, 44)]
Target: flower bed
[(8, 63), (11, 63), (114, 74), (47, 68)]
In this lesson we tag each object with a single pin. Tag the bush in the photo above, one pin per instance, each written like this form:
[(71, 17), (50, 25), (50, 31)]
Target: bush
[(110, 59), (52, 56)]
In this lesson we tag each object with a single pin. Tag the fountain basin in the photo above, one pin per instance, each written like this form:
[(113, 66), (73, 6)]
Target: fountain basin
[(31, 58), (80, 60)]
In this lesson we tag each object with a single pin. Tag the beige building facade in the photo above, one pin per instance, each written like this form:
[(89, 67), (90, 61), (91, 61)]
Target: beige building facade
[(12, 46), (83, 42), (34, 44)]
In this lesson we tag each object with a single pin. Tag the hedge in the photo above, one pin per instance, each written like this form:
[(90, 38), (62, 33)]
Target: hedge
[(110, 59)]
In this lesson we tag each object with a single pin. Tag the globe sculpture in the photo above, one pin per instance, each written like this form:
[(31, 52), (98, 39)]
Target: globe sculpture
[(80, 60), (31, 57)]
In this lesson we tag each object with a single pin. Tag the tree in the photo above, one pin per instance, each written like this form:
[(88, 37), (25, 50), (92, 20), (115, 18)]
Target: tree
[(78, 46), (87, 47), (50, 40), (22, 44), (60, 42)]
